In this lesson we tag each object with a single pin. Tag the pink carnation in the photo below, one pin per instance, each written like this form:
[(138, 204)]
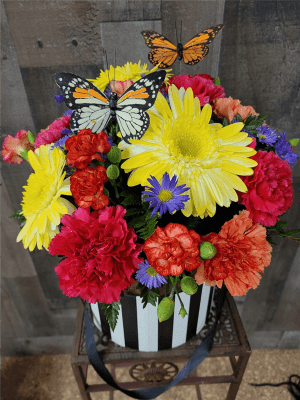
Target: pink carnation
[(53, 132), (228, 108), (14, 146), (270, 190), (202, 86), (101, 254), (120, 86)]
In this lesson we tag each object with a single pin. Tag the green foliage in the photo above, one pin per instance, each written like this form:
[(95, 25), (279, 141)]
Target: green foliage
[(225, 122), (112, 313), (132, 196), (278, 230), (193, 222), (217, 82), (149, 296), (294, 142), (19, 215), (252, 122)]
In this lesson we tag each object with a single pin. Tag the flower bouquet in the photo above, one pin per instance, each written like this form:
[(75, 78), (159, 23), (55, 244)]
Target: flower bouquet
[(147, 226)]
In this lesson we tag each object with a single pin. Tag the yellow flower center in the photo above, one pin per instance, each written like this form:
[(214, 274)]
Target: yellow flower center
[(165, 195), (151, 271), (262, 136)]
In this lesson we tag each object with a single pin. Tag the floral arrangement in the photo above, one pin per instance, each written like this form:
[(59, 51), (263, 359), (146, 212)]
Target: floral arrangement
[(194, 201)]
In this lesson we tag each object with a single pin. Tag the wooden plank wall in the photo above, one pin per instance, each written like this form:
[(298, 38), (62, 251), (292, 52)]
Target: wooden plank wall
[(256, 55)]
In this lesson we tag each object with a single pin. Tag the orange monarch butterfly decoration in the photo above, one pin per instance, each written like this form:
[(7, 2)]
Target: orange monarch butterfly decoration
[(165, 52)]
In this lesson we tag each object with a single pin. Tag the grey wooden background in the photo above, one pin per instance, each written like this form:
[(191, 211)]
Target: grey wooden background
[(257, 57)]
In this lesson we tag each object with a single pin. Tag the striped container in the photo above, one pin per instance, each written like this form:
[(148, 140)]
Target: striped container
[(140, 329)]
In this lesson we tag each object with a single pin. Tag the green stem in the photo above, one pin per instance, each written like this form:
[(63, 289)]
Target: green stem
[(181, 303), (174, 283), (115, 188)]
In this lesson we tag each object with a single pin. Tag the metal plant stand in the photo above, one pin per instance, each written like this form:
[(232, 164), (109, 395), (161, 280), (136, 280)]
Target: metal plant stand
[(159, 368)]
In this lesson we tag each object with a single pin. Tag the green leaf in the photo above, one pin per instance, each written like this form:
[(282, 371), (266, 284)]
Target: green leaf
[(140, 286), (149, 296), (134, 211), (106, 192), (31, 137), (225, 122), (238, 117), (24, 154), (19, 214), (280, 225), (217, 82), (112, 313), (294, 142)]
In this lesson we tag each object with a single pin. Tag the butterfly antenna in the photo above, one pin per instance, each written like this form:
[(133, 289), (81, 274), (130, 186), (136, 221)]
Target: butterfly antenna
[(176, 32), (107, 65), (180, 32), (115, 70)]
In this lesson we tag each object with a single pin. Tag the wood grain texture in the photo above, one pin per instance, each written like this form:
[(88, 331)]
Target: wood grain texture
[(55, 33), (196, 16)]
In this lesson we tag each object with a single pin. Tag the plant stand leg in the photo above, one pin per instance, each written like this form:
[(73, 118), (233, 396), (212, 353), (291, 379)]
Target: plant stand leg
[(238, 373), (81, 381)]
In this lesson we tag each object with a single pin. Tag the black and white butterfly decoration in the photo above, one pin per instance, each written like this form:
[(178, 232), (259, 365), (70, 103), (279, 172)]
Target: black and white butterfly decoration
[(93, 109)]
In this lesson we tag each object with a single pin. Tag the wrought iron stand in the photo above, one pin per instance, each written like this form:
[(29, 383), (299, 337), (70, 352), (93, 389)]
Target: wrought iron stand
[(159, 368)]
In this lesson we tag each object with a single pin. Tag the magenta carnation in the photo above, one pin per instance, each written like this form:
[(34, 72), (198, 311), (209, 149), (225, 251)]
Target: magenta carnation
[(202, 85), (53, 132), (101, 254), (270, 190)]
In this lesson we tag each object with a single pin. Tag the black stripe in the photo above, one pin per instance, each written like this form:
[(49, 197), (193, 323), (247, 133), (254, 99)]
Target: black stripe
[(104, 324), (165, 332), (193, 314), (209, 304), (129, 312)]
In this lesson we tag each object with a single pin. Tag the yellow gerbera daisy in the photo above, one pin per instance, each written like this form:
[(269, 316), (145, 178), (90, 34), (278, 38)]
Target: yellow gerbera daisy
[(130, 71), (206, 157), (42, 205)]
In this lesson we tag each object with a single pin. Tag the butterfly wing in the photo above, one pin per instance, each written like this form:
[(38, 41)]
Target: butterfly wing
[(90, 104), (163, 51), (131, 106), (196, 49)]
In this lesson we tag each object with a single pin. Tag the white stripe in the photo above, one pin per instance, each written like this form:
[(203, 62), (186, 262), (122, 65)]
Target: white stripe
[(96, 316), (132, 102), (180, 324), (203, 307), (90, 100), (118, 335), (147, 326)]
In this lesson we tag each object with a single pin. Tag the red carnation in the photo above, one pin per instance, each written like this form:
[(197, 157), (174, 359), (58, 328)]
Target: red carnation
[(173, 249), (270, 190), (87, 187), (101, 254), (85, 146), (53, 132), (242, 254), (202, 85)]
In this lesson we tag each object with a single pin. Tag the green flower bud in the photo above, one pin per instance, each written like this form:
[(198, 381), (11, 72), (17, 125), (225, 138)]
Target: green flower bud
[(207, 251), (114, 154), (165, 309), (31, 137), (188, 285), (112, 172), (182, 312)]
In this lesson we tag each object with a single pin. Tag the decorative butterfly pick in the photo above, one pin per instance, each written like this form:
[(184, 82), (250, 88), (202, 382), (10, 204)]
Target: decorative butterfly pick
[(93, 109), (165, 52)]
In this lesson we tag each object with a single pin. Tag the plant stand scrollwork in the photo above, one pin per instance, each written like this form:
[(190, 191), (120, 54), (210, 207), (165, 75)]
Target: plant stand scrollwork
[(154, 371)]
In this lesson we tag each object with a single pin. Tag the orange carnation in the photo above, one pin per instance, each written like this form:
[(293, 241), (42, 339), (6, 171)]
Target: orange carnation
[(242, 254), (228, 108)]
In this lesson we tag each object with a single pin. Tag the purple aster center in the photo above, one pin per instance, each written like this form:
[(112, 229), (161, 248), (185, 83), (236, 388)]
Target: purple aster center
[(165, 195), (151, 271)]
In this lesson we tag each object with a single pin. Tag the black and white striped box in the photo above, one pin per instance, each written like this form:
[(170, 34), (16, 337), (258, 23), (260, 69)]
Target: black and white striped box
[(140, 329)]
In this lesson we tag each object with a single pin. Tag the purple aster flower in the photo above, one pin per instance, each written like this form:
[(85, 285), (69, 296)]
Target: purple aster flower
[(59, 98), (107, 90), (62, 141), (284, 150), (266, 135), (148, 276), (167, 196), (68, 112)]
